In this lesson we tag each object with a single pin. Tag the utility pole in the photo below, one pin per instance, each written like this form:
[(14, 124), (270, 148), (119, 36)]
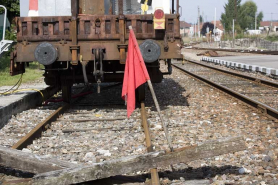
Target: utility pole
[(198, 21), (194, 32), (235, 1), (271, 22), (184, 27), (214, 31), (233, 33), (255, 21)]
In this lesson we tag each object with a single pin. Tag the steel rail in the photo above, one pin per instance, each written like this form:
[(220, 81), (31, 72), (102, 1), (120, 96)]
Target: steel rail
[(28, 139), (40, 128), (258, 105), (45, 124), (253, 79), (265, 52)]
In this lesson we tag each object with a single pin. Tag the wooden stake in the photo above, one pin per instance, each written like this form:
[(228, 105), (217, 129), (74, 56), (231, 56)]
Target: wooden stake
[(169, 140), (154, 173)]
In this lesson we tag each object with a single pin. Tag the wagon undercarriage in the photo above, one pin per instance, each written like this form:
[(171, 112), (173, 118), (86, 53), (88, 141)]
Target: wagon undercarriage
[(92, 48)]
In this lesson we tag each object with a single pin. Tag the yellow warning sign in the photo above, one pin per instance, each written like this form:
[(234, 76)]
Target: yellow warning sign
[(159, 24)]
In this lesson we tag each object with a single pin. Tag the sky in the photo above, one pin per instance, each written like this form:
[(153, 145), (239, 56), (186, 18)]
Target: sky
[(207, 7)]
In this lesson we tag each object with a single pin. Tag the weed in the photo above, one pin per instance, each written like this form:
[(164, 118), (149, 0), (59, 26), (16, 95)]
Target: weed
[(32, 73)]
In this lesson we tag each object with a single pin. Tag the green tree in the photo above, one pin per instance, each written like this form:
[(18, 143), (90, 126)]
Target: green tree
[(12, 12), (248, 12), (201, 19), (232, 9), (12, 8), (260, 17)]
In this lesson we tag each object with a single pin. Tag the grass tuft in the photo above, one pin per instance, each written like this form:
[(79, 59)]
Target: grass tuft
[(32, 73), (272, 37)]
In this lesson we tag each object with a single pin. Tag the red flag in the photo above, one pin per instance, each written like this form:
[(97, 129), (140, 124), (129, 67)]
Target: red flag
[(136, 73)]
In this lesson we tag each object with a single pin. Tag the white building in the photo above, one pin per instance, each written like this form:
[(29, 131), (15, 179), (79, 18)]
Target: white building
[(254, 32)]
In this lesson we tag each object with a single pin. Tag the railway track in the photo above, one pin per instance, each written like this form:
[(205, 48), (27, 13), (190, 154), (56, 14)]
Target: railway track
[(197, 112), (81, 128), (257, 93), (265, 52)]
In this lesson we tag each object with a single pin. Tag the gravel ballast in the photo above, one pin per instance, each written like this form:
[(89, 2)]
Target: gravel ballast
[(197, 113)]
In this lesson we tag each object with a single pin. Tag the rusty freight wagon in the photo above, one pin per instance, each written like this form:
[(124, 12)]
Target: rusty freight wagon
[(90, 44)]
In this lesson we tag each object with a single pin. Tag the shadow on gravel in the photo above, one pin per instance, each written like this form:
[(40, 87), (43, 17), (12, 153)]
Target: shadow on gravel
[(168, 93), (188, 174)]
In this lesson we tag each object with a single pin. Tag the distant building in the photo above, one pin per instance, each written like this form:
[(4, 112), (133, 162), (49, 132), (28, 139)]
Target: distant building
[(267, 25), (218, 25), (194, 29), (254, 32), (184, 28)]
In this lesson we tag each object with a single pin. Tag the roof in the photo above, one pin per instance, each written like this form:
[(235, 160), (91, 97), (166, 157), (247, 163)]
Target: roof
[(184, 24), (201, 25), (218, 25), (268, 23)]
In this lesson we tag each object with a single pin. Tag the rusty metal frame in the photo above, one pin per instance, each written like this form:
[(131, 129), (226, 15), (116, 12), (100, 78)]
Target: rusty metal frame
[(16, 67), (178, 6), (74, 47), (76, 35), (55, 29)]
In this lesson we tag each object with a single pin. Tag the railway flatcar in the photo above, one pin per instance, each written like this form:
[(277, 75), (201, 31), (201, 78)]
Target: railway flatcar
[(78, 41)]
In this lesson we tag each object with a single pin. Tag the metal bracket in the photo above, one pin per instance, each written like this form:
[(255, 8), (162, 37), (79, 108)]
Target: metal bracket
[(122, 48), (57, 69), (16, 67), (25, 42), (63, 42), (5, 45), (74, 50), (75, 47)]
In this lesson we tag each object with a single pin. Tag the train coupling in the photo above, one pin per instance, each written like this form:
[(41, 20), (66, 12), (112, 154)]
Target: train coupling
[(98, 66)]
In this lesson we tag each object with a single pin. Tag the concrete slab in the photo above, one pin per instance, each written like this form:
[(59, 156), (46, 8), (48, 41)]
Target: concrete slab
[(270, 61), (18, 102), (267, 65)]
